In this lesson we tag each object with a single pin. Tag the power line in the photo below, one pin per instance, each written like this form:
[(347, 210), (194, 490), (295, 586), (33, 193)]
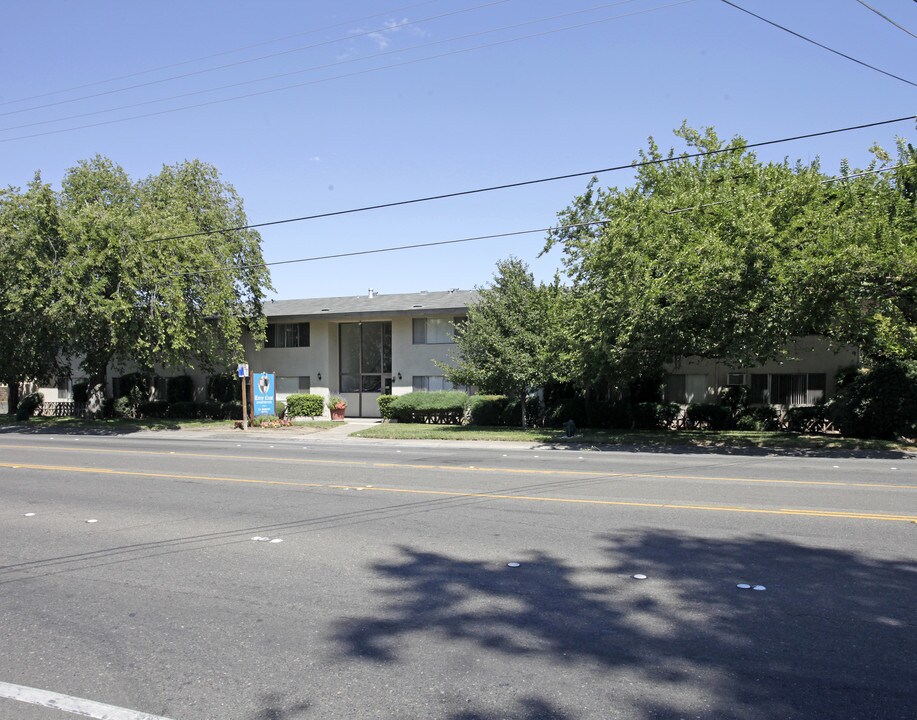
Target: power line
[(222, 268), (493, 236), (219, 54), (523, 183), (886, 18), (815, 42), (365, 33), (326, 66), (827, 181)]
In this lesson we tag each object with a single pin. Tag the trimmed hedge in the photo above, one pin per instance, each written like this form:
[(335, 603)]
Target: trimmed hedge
[(280, 409), (385, 402), (758, 418), (707, 416), (440, 407), (153, 409), (654, 416), (303, 405), (806, 419), (487, 410)]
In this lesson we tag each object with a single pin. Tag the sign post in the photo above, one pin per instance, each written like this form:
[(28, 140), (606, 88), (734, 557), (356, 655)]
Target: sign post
[(243, 377)]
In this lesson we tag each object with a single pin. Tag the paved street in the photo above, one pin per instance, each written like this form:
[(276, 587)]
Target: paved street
[(383, 588)]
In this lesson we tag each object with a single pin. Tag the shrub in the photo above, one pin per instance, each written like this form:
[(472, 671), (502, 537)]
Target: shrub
[(336, 402), (185, 410), (28, 405), (442, 406), (211, 410), (758, 418), (280, 409), (654, 416), (735, 397), (231, 410), (806, 419), (224, 388), (81, 393), (135, 386), (153, 409), (534, 412), (124, 407), (880, 403), (385, 402), (305, 405), (708, 416), (180, 389), (486, 410), (563, 410)]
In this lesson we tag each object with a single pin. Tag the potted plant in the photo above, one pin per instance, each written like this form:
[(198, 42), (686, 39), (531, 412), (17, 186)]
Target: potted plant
[(337, 405)]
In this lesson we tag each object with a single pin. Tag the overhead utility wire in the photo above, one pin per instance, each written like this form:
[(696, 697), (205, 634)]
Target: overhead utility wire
[(815, 42), (222, 268), (219, 54), (523, 183), (836, 178), (415, 246), (886, 18), (362, 33), (325, 66)]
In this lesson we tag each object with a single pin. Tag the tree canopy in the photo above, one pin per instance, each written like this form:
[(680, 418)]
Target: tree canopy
[(121, 275), (505, 345), (726, 256)]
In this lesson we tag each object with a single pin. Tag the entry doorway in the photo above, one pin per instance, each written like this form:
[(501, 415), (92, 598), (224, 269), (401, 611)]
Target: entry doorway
[(365, 365)]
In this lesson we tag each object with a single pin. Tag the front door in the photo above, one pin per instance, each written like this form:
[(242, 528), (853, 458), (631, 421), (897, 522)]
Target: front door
[(366, 365)]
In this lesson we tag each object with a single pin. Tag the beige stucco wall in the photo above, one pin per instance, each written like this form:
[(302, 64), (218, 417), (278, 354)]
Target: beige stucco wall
[(811, 354), (410, 360)]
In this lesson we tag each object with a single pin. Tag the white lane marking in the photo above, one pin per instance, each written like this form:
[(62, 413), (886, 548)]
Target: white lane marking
[(70, 704)]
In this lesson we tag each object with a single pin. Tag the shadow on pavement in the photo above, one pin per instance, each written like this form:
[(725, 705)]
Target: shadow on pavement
[(736, 451), (834, 635), (274, 708)]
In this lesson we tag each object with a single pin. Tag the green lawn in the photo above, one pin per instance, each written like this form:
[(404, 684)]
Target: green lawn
[(690, 438)]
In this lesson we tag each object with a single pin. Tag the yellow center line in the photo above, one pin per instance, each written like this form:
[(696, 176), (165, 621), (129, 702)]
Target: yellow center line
[(460, 469), (487, 496)]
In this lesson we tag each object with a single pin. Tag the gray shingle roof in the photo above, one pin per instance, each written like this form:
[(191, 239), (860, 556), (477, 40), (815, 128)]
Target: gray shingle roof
[(423, 303)]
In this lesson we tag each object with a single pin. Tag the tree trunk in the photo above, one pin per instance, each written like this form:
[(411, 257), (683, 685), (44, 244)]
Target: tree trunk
[(525, 424), (95, 401), (13, 398)]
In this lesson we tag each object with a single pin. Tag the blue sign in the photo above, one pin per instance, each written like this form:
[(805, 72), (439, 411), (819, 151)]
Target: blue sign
[(243, 370), (263, 393)]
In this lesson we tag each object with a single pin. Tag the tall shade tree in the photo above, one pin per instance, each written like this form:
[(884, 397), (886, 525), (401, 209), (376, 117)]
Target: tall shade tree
[(505, 346), (724, 256), (133, 292), (30, 261)]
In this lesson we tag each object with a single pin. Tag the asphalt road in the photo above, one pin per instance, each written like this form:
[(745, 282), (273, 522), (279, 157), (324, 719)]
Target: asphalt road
[(389, 594)]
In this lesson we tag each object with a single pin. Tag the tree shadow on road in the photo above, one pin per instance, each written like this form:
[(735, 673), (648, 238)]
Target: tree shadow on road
[(834, 635)]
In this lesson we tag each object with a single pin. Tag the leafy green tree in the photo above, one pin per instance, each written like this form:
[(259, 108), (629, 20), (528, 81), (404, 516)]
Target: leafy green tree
[(127, 297), (724, 256), (30, 253), (505, 346)]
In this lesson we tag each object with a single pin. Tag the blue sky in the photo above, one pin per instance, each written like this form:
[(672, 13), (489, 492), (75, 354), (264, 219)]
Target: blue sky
[(516, 92)]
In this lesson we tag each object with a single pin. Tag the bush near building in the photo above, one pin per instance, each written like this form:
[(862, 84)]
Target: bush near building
[(305, 405)]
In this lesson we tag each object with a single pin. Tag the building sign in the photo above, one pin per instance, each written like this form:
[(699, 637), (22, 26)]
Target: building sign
[(263, 393)]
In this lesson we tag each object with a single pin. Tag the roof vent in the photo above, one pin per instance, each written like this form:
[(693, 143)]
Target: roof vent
[(325, 310), (423, 292), (416, 306), (372, 293)]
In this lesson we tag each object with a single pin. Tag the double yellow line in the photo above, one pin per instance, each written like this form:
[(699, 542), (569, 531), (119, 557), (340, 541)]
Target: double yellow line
[(487, 496)]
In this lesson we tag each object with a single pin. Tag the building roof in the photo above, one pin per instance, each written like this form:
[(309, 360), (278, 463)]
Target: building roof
[(373, 304)]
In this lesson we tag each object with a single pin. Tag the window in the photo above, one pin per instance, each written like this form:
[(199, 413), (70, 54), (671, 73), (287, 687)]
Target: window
[(788, 388), (291, 385), (287, 335), (435, 331), (686, 389), (735, 379), (64, 388), (423, 383)]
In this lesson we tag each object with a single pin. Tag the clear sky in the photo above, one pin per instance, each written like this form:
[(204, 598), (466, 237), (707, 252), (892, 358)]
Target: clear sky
[(397, 99)]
